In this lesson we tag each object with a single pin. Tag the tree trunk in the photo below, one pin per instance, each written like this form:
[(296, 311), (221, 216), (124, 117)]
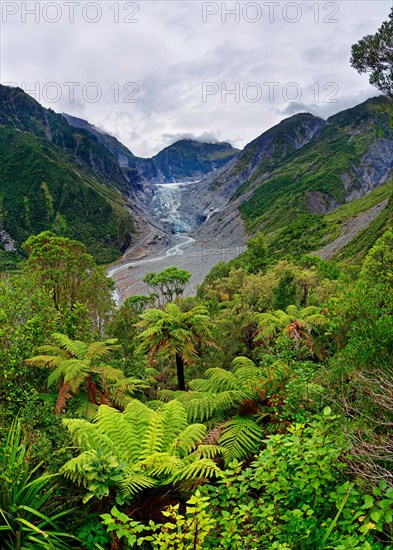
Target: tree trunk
[(305, 295), (180, 372)]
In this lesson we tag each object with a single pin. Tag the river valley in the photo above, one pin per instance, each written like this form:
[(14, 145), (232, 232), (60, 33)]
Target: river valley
[(193, 254)]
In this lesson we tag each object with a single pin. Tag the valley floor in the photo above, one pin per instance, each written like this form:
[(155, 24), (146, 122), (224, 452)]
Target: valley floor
[(198, 257)]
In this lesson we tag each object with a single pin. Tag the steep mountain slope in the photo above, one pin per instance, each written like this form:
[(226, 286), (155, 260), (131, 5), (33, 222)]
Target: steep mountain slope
[(190, 160), (184, 160), (268, 151), (125, 158), (54, 177), (285, 181)]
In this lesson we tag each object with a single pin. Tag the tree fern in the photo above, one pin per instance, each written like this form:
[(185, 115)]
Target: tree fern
[(297, 324), (79, 369), (142, 449), (175, 334), (202, 468)]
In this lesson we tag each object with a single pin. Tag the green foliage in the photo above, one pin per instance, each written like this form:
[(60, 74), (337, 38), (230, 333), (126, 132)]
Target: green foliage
[(93, 535), (168, 285), (279, 199), (256, 255), (138, 449), (378, 265), (359, 374), (285, 291), (176, 334), (293, 324), (295, 496), (374, 54), (188, 532), (29, 517), (27, 318), (76, 364), (68, 273), (44, 189)]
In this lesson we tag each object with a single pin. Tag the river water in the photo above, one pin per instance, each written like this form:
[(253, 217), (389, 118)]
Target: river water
[(187, 253)]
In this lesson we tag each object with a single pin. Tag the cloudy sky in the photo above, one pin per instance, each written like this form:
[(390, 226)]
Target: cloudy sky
[(150, 72)]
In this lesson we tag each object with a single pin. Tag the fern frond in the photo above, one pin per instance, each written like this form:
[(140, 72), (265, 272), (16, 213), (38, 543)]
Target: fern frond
[(187, 440), (221, 379), (155, 404), (202, 468), (167, 395), (153, 437), (241, 362), (75, 469), (55, 376), (87, 436), (101, 350), (161, 464), (134, 482), (240, 438), (293, 311), (45, 361), (207, 451), (174, 417), (200, 385), (201, 408), (126, 443), (225, 401), (110, 373), (247, 374), (77, 372), (316, 320), (86, 409), (50, 349), (75, 348)]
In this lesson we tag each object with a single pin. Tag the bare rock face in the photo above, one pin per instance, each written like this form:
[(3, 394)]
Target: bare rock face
[(319, 202), (374, 170)]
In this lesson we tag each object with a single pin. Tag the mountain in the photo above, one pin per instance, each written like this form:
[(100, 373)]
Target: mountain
[(188, 159), (62, 173), (184, 160), (310, 185), (124, 156), (288, 179), (56, 177)]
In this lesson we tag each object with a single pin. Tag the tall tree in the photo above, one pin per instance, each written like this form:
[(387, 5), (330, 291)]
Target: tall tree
[(374, 54), (167, 285), (256, 255), (69, 275), (176, 334)]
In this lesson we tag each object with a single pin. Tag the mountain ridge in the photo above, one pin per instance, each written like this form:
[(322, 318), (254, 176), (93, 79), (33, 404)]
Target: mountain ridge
[(293, 173)]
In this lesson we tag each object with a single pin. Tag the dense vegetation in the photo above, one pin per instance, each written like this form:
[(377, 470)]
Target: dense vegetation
[(57, 178), (257, 414)]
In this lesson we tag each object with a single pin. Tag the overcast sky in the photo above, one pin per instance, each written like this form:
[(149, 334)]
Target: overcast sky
[(152, 72)]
